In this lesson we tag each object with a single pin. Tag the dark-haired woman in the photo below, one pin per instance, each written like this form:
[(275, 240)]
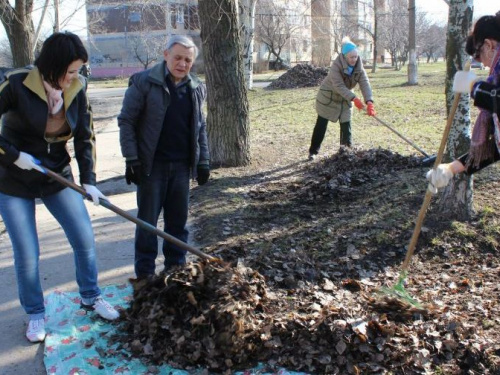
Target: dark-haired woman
[(484, 45), (42, 107)]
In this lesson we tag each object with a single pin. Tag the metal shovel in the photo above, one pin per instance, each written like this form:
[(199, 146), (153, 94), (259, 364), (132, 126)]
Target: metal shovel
[(139, 222)]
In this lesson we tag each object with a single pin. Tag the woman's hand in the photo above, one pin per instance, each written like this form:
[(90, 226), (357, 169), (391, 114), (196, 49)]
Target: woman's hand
[(440, 176), (27, 162), (94, 193), (370, 109), (463, 81), (358, 103)]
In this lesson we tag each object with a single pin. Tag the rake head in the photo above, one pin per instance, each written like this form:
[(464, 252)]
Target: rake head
[(398, 292)]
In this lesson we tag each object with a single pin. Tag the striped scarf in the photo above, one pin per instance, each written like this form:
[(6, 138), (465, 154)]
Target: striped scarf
[(486, 132)]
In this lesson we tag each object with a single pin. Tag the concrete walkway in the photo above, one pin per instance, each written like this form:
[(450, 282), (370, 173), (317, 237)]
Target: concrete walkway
[(114, 238)]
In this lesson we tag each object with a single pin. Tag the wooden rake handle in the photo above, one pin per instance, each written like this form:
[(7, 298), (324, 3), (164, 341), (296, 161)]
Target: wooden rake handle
[(401, 136), (126, 215), (428, 194)]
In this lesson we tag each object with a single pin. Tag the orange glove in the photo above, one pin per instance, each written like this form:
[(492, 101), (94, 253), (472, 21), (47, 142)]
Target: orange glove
[(358, 103), (370, 109)]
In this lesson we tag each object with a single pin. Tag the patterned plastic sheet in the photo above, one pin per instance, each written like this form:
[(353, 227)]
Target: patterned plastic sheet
[(76, 342)]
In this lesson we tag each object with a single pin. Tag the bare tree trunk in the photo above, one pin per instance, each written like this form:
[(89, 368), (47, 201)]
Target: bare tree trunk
[(457, 198), (247, 20), (412, 63), (56, 16), (321, 53), (20, 30), (376, 11), (39, 28), (227, 104)]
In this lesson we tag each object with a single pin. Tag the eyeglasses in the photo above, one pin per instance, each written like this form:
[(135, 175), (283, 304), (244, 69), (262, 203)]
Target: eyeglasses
[(477, 51)]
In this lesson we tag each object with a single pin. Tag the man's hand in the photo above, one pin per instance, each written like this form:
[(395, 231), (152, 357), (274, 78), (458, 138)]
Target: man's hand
[(463, 81), (439, 177), (133, 172), (203, 172), (27, 162), (358, 103), (94, 193)]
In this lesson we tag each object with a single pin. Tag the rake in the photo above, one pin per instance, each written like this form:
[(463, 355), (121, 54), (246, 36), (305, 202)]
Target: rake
[(126, 215), (398, 291), (428, 159)]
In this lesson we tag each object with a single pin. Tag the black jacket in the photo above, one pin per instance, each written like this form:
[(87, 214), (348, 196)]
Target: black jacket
[(24, 110), (141, 118), (487, 96)]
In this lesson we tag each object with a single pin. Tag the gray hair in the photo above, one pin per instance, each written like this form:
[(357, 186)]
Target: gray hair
[(183, 40)]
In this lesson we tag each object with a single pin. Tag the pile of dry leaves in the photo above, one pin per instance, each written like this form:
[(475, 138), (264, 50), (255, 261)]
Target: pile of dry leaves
[(302, 75), (306, 255)]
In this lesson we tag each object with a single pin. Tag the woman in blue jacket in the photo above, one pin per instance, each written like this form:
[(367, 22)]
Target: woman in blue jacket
[(42, 107)]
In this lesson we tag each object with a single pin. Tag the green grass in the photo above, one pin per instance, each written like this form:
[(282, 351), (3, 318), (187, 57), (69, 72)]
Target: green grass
[(417, 112)]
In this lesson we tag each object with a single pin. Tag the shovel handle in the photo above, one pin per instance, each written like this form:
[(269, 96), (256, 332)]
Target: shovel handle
[(428, 194), (126, 215)]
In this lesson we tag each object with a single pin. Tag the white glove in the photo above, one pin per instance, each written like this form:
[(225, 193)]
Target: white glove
[(94, 193), (27, 162), (439, 177), (463, 81)]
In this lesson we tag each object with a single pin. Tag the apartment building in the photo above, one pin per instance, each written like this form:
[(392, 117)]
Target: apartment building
[(125, 37)]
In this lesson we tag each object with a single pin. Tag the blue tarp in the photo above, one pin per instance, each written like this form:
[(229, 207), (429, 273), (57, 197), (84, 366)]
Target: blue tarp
[(76, 342)]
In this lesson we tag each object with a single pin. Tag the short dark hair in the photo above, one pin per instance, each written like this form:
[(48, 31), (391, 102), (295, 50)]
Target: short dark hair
[(58, 51), (486, 27)]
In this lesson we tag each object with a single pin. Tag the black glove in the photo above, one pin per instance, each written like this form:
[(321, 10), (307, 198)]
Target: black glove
[(203, 171), (133, 172)]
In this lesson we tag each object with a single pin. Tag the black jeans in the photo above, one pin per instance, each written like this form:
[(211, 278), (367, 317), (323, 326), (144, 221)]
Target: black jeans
[(166, 188), (319, 134)]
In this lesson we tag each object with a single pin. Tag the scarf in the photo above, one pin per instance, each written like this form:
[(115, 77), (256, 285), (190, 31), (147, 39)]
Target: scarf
[(54, 98), (486, 132)]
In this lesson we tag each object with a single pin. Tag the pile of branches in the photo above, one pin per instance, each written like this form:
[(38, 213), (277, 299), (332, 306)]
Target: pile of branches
[(302, 75)]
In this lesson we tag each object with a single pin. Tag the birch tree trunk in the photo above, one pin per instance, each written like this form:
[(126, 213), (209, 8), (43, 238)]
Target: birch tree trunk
[(247, 22), (456, 200), (412, 61), (227, 103)]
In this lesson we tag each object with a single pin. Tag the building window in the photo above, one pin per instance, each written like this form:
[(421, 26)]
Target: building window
[(134, 17), (173, 16), (192, 18), (180, 14)]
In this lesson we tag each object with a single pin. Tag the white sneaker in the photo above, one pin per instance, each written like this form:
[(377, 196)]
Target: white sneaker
[(103, 309), (36, 330), (312, 157)]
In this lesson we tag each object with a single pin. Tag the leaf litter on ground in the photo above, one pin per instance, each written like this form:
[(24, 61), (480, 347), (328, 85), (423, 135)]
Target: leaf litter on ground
[(305, 254)]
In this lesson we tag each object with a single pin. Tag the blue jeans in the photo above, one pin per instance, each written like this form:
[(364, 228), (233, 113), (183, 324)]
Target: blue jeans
[(167, 188), (69, 210)]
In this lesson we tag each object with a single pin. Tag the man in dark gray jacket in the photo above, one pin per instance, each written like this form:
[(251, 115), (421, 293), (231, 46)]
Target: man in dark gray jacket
[(164, 141)]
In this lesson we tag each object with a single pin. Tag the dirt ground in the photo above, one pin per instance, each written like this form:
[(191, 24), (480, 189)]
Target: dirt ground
[(341, 226), (327, 234)]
